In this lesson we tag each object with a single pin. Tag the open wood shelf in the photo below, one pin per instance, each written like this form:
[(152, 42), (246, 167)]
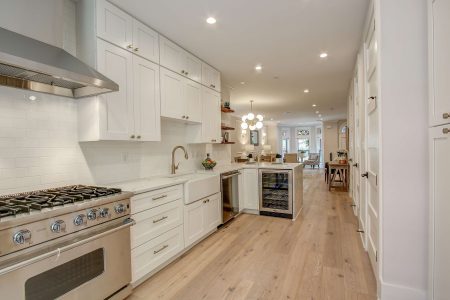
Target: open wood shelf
[(226, 110), (227, 128)]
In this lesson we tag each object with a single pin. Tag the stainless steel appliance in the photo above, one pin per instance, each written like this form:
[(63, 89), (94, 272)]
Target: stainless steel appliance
[(276, 193), (30, 64), (230, 195), (66, 243)]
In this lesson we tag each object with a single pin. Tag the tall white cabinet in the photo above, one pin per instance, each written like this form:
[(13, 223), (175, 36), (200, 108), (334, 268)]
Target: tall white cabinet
[(439, 137)]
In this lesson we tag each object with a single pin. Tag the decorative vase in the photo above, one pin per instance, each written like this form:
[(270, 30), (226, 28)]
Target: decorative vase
[(208, 163)]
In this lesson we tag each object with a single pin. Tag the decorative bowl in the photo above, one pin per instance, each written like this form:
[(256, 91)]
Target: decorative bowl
[(209, 165)]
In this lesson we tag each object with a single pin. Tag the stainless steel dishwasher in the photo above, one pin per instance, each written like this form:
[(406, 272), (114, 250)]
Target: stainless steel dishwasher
[(230, 195)]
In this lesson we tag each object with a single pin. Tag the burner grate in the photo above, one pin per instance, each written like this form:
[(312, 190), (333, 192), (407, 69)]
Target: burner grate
[(12, 205)]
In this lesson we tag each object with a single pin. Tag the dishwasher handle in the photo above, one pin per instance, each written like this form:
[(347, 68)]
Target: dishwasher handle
[(232, 175)]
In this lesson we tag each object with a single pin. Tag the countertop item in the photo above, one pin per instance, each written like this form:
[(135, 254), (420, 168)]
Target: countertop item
[(219, 169)]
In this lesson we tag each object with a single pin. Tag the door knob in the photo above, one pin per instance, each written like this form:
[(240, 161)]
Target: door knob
[(355, 165), (365, 175)]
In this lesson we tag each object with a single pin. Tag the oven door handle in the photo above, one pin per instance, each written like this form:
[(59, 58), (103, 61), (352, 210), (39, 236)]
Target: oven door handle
[(126, 223), (232, 175)]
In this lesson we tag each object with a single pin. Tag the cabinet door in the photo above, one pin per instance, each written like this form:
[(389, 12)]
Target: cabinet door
[(114, 25), (145, 41), (172, 95), (193, 67), (439, 62), (215, 79), (171, 55), (210, 77), (193, 100), (439, 212), (116, 113), (213, 212), (241, 190), (194, 227), (211, 117), (251, 192), (147, 111)]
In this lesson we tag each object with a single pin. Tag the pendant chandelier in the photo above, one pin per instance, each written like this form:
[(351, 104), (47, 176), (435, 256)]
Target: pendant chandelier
[(251, 121)]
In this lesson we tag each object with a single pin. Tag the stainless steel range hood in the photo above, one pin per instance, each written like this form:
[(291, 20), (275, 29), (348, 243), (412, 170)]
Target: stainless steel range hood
[(29, 64)]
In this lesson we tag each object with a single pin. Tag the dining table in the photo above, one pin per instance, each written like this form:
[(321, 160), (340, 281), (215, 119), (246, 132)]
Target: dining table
[(335, 169)]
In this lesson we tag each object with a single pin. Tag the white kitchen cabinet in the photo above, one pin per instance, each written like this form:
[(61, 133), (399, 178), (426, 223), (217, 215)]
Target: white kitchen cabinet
[(211, 122), (439, 212), (149, 256), (241, 191), (180, 97), (210, 77), (201, 218), (133, 112), (251, 191), (439, 44), (113, 24), (145, 41), (178, 60)]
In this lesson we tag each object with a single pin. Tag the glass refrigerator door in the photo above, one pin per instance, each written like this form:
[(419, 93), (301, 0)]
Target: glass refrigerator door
[(275, 191)]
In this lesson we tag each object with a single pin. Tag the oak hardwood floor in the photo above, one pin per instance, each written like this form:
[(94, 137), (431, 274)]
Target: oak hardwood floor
[(319, 256)]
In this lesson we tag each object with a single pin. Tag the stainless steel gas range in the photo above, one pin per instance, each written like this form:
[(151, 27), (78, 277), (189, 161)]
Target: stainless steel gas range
[(68, 243)]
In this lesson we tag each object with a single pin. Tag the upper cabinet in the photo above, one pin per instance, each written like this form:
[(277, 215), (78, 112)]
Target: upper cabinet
[(439, 62), (210, 77), (175, 58), (119, 28)]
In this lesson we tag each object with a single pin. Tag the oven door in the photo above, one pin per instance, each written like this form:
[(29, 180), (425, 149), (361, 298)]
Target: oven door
[(86, 267)]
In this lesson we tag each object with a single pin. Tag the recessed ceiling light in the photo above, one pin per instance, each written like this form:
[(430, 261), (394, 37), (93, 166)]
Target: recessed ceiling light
[(317, 111), (258, 68), (271, 119), (320, 116), (323, 55), (242, 82), (321, 119), (32, 97), (314, 105), (306, 91), (211, 20)]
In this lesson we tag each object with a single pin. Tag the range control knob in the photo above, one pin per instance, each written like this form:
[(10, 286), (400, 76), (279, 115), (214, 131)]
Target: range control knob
[(92, 214), (120, 208), (104, 212), (58, 226), (22, 236), (80, 220)]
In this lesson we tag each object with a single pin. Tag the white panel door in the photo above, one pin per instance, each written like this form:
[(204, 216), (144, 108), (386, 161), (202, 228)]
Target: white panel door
[(211, 118), (440, 212), (213, 212), (114, 25), (171, 55), (145, 42), (251, 197), (372, 150), (172, 95), (147, 110), (193, 67), (439, 62), (194, 226), (117, 111), (192, 100)]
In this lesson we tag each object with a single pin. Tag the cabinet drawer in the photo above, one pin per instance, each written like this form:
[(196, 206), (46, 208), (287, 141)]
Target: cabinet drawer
[(155, 198), (150, 255), (153, 222)]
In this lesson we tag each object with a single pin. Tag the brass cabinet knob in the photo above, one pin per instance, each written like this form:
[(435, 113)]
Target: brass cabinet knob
[(138, 137), (445, 115), (130, 46), (445, 130), (132, 136)]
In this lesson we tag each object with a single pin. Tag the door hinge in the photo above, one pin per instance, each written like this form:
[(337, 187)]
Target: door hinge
[(376, 256)]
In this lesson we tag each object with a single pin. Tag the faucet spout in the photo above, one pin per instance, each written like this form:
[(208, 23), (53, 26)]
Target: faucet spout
[(174, 167)]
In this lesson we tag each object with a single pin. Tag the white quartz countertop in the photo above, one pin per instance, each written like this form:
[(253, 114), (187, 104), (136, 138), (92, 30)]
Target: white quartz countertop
[(144, 185)]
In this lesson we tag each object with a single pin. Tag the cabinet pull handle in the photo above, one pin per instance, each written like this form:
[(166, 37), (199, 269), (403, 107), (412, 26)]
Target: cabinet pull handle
[(206, 200), (136, 49), (138, 137), (182, 71), (160, 197), (445, 131), (186, 73), (160, 219), (184, 117), (161, 249), (187, 117), (132, 136), (445, 115), (130, 46)]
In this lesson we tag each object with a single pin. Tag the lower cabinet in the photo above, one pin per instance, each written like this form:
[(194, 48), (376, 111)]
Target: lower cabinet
[(147, 257), (201, 217), (251, 189)]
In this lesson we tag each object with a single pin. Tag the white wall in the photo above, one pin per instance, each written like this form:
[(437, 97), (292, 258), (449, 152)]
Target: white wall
[(404, 162), (330, 139)]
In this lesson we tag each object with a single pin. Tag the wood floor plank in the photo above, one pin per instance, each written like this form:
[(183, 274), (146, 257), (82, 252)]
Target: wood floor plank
[(318, 256)]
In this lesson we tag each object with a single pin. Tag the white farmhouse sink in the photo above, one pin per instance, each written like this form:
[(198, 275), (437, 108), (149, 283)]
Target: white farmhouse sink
[(198, 185)]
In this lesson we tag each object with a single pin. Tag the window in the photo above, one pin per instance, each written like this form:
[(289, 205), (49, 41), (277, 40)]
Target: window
[(303, 142), (285, 141)]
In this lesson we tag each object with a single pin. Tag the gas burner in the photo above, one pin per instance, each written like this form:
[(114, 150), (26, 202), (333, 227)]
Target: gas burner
[(12, 205)]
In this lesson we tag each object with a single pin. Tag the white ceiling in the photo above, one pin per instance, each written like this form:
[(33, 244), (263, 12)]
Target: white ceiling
[(284, 36)]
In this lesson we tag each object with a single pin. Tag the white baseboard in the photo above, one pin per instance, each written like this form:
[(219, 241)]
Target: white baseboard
[(398, 292)]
